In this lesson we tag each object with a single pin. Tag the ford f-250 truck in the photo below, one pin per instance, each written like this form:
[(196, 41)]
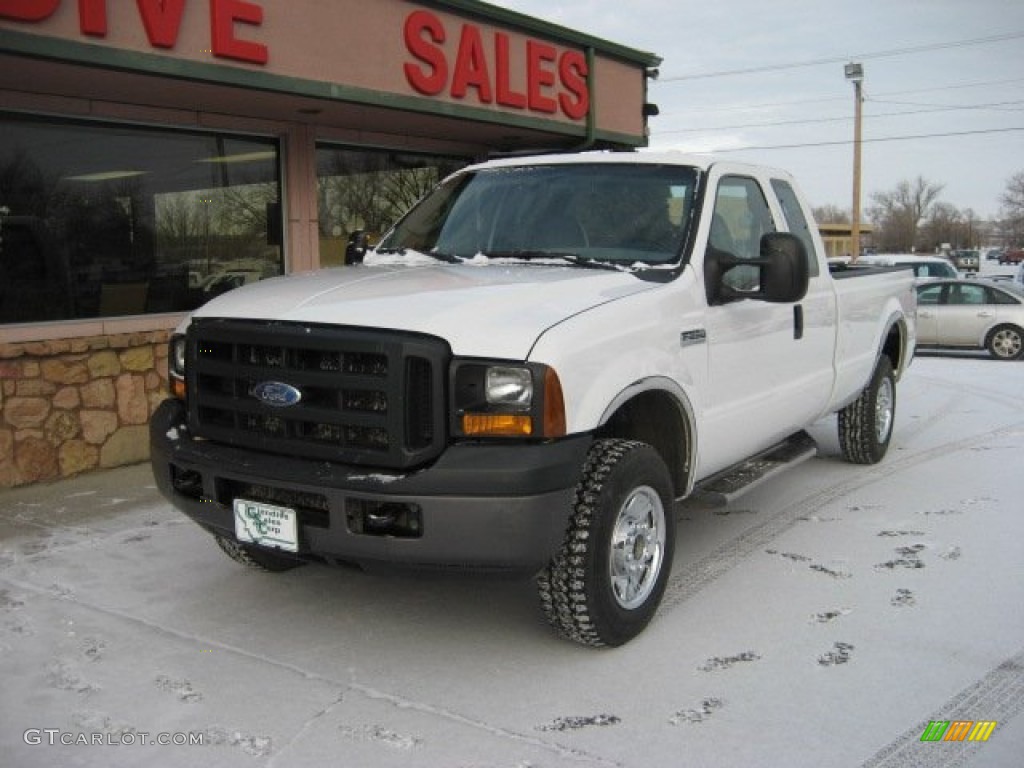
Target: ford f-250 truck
[(526, 373)]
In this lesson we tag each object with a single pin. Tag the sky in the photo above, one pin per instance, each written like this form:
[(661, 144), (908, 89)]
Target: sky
[(943, 87)]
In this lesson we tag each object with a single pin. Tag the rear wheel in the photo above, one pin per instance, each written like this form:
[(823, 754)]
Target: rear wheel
[(1005, 342), (606, 582), (865, 425), (256, 557)]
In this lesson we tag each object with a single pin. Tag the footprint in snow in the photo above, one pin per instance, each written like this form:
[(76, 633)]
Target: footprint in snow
[(707, 707), (181, 688), (840, 654), (576, 723)]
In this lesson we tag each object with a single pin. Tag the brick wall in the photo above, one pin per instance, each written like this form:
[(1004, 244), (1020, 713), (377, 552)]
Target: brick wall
[(73, 405)]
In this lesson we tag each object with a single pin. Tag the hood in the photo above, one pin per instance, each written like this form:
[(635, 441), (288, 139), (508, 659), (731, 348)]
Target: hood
[(496, 310)]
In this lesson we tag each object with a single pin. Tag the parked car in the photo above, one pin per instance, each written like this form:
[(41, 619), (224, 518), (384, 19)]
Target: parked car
[(967, 261), (973, 314), (1012, 256), (993, 254), (923, 266), (221, 282)]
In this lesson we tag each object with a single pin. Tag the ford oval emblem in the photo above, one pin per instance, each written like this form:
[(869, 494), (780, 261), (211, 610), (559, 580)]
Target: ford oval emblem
[(276, 393)]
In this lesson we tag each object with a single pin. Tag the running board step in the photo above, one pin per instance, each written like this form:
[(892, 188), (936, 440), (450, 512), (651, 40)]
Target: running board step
[(729, 484)]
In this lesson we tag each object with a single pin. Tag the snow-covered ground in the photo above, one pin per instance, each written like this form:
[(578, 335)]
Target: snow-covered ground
[(821, 620)]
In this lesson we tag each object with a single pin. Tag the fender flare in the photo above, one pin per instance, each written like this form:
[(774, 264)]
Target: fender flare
[(898, 320), (682, 401)]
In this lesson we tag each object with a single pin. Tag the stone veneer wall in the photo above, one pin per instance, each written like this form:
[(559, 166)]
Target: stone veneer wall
[(72, 405)]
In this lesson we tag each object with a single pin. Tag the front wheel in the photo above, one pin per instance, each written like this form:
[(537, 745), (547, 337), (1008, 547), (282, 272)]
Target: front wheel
[(865, 425), (1005, 342), (606, 582)]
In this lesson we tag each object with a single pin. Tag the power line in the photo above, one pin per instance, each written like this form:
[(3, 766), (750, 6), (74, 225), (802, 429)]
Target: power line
[(999, 106), (872, 140), (844, 99), (931, 109), (838, 59)]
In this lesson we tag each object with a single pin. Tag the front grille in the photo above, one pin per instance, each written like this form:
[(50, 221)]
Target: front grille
[(350, 395)]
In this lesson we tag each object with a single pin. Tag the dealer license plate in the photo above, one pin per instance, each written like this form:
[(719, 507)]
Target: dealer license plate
[(267, 525)]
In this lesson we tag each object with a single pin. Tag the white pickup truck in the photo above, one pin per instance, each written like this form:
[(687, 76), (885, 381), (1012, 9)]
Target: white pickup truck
[(526, 373)]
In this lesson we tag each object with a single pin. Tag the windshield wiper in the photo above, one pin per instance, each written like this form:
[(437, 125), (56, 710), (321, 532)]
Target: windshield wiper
[(536, 255), (445, 257)]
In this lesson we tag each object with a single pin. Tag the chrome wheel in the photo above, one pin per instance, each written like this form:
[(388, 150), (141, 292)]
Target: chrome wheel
[(604, 585), (637, 547), (1005, 343), (884, 407)]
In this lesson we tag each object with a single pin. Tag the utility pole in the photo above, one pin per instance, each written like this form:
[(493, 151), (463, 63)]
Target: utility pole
[(855, 74)]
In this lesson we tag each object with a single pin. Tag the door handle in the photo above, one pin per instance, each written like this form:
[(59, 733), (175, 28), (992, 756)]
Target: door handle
[(986, 314)]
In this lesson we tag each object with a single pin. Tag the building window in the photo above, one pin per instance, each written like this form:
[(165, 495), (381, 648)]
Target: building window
[(368, 190), (100, 220)]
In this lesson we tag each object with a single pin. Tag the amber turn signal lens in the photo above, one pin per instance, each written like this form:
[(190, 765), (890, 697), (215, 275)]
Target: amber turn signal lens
[(497, 424), (554, 405)]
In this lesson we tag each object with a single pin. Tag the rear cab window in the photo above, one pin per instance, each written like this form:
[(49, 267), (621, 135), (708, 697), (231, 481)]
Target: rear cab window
[(796, 221)]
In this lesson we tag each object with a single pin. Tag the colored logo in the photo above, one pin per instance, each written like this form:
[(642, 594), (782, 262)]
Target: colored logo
[(276, 393), (958, 730)]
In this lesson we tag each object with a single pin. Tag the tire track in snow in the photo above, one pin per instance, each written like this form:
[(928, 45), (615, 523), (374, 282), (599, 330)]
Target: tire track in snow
[(997, 396), (691, 578), (997, 696)]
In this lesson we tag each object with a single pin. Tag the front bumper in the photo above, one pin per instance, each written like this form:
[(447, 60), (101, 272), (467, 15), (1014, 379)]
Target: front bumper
[(501, 507)]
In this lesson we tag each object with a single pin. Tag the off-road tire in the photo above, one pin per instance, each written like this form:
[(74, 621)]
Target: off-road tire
[(624, 496), (255, 557), (865, 425), (1005, 342)]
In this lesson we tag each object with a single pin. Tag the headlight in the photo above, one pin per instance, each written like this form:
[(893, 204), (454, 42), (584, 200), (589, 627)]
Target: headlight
[(509, 386), (176, 366), (505, 400)]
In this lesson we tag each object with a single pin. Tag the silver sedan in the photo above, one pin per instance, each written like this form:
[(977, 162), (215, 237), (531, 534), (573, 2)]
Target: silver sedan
[(971, 314)]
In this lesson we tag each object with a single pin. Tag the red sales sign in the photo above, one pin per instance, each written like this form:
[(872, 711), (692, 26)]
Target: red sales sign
[(481, 68)]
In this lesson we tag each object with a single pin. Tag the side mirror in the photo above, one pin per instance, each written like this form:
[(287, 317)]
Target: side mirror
[(355, 248), (780, 274)]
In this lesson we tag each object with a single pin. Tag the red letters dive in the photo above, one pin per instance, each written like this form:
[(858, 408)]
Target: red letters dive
[(161, 19)]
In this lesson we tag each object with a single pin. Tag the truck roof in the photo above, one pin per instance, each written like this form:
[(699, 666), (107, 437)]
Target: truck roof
[(702, 162)]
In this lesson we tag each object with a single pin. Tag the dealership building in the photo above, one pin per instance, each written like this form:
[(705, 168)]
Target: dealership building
[(155, 154)]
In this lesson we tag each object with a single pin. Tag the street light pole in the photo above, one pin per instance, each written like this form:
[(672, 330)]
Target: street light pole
[(855, 73)]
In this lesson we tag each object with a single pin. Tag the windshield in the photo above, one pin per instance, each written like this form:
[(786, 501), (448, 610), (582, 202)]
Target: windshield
[(591, 214)]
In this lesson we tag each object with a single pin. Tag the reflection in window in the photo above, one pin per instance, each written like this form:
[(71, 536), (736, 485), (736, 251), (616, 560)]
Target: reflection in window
[(104, 220), (929, 295), (369, 190), (741, 217), (966, 294)]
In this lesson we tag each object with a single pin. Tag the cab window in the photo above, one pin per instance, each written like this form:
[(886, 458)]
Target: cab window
[(796, 221), (741, 216)]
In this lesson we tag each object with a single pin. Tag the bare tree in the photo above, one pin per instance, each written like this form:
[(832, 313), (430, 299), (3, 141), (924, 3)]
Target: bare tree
[(1012, 212), (831, 214), (945, 224), (897, 214), (353, 196)]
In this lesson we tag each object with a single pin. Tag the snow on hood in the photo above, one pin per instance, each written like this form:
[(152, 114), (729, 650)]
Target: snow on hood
[(494, 311)]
